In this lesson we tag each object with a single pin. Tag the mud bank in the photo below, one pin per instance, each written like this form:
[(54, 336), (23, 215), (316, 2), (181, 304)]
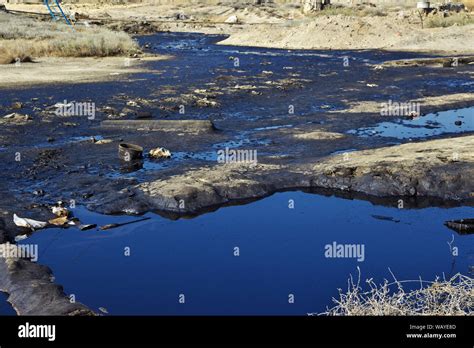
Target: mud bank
[(432, 169), (32, 290), (354, 33), (440, 168)]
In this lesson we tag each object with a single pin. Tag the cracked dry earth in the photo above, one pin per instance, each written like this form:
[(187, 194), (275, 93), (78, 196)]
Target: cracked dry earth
[(308, 149)]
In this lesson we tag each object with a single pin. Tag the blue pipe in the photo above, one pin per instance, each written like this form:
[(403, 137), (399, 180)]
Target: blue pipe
[(60, 9), (46, 2), (53, 15)]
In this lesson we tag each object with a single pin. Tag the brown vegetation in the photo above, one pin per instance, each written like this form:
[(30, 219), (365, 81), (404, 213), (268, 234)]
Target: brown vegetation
[(22, 38)]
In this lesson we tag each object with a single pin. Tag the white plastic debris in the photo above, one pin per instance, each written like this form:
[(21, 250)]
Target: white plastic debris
[(103, 310), (60, 211), (63, 105), (20, 238), (103, 141), (160, 152), (232, 20), (28, 223), (17, 117)]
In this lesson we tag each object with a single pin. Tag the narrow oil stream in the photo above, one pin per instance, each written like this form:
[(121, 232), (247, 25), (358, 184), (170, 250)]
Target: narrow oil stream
[(247, 260)]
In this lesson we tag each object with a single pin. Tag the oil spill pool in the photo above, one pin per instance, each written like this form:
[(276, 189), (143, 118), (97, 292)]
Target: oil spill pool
[(5, 307), (282, 252), (445, 122)]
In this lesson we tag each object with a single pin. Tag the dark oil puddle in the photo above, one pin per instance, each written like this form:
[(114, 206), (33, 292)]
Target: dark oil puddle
[(281, 251)]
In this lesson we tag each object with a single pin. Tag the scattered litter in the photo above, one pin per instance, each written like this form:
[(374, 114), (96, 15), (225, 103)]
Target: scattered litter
[(60, 211), (181, 16), (74, 222), (129, 152), (17, 117), (160, 152), (59, 221), (39, 192), (63, 106), (17, 105), (464, 226), (87, 227), (103, 310), (232, 19), (103, 141), (413, 115), (83, 227), (20, 237), (110, 226), (245, 87), (28, 223), (385, 218), (204, 102)]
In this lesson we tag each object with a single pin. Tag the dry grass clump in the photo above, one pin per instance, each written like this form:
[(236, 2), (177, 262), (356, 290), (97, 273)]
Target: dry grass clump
[(453, 19), (441, 297), (16, 27), (22, 38), (16, 53)]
